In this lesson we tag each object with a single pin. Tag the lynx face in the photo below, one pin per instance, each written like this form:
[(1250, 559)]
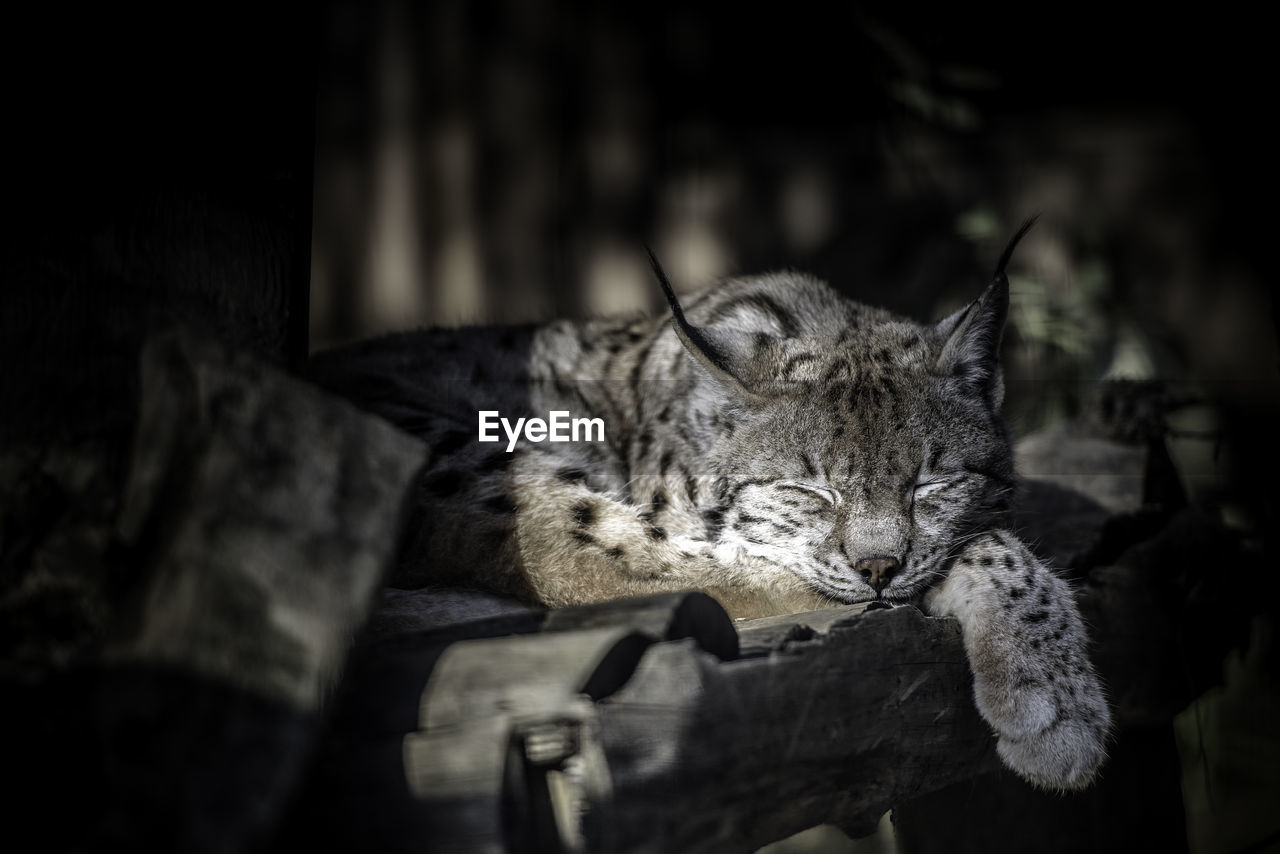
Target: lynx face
[(856, 449), (861, 486)]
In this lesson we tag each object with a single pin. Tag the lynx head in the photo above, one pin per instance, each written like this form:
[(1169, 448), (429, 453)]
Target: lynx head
[(855, 448)]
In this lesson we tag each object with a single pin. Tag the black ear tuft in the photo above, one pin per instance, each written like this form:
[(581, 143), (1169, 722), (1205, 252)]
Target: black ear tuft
[(692, 336), (722, 355), (1013, 244), (971, 352)]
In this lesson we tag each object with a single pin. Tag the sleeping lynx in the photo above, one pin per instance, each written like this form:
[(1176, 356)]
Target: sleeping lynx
[(781, 448)]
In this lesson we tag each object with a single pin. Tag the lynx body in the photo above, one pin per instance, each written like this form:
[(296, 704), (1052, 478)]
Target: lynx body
[(770, 442)]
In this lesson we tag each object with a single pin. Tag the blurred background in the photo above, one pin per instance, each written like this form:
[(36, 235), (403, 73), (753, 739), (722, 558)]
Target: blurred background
[(499, 162)]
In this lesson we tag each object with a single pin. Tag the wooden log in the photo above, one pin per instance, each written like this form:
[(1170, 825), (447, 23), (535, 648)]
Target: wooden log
[(528, 680), (260, 517), (604, 737), (833, 728), (267, 512), (831, 716), (501, 718)]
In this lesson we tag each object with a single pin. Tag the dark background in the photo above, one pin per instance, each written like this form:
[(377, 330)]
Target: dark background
[(505, 162), (290, 177)]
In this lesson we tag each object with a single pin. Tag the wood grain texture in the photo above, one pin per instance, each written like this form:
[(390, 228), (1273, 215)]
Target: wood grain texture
[(725, 757), (614, 734)]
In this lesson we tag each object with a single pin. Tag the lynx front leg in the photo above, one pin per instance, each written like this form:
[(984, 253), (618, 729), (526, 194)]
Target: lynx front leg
[(579, 544), (1033, 681)]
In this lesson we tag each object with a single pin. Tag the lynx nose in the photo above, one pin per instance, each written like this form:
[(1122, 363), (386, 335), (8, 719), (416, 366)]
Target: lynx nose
[(877, 571)]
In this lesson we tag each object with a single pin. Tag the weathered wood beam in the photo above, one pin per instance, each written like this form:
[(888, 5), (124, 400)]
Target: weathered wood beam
[(607, 732), (825, 717), (710, 756)]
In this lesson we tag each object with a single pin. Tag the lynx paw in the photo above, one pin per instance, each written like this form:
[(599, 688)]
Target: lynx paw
[(1052, 733), (1017, 705), (1032, 678), (1064, 755)]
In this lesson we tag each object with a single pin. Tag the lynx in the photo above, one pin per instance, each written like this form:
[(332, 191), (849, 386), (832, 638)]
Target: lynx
[(769, 442)]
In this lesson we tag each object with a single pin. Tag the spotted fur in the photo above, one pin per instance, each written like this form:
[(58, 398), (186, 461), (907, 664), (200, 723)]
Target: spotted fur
[(769, 442)]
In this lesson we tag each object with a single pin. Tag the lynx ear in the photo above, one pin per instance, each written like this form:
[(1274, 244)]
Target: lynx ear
[(725, 356), (971, 354)]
